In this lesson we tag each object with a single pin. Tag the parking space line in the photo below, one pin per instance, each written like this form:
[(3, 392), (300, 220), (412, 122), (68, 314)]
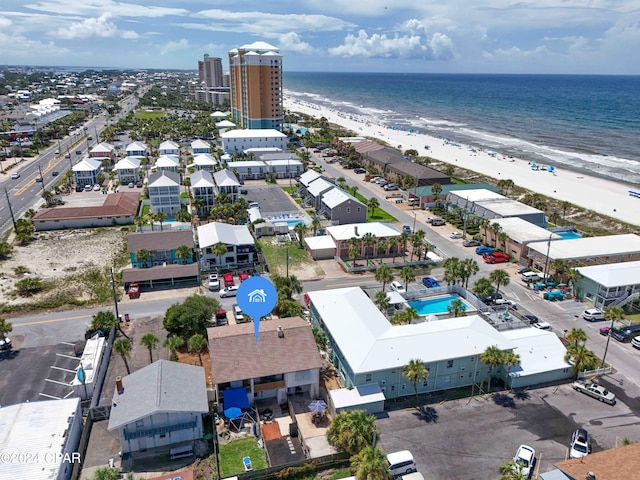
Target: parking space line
[(63, 369), (68, 343), (56, 381), (67, 356), (50, 396), (68, 394)]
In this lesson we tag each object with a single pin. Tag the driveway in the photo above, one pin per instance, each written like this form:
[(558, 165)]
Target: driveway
[(272, 199), (469, 439)]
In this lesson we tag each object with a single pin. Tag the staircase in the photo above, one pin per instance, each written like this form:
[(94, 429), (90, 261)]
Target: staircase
[(620, 302)]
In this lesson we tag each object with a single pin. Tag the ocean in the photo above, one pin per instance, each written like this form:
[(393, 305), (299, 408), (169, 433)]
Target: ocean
[(588, 123)]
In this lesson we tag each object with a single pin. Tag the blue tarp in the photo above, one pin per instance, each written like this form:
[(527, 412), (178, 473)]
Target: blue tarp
[(235, 397)]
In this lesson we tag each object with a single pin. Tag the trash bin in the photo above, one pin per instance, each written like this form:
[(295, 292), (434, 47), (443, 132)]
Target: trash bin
[(126, 317)]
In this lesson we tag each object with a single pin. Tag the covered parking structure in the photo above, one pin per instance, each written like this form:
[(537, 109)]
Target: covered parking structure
[(162, 276)]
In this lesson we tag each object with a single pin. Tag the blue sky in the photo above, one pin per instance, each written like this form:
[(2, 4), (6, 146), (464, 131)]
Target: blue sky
[(479, 36)]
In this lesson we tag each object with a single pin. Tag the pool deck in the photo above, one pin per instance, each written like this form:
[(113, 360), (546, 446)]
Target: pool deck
[(470, 308)]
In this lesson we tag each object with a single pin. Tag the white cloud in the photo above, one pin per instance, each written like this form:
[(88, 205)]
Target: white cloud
[(171, 47), (5, 22), (292, 42), (100, 27), (417, 44), (97, 7), (18, 48)]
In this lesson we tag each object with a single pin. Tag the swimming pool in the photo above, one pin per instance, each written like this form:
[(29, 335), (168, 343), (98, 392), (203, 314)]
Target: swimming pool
[(437, 305), (571, 235)]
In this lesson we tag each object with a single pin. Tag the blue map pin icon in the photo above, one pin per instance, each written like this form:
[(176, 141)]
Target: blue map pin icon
[(257, 297)]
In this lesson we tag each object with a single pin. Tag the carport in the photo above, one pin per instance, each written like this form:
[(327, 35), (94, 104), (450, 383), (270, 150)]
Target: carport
[(321, 248), (162, 275)]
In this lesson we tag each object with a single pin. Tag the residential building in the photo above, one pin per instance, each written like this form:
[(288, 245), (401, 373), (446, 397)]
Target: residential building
[(519, 234), (426, 196), (341, 234), (305, 180), (86, 171), (169, 148), (241, 250), (341, 208), (200, 146), (620, 463), (377, 156), (159, 407), (256, 86), (283, 361), (137, 149), (162, 245), (587, 251), (238, 141), (205, 161), (283, 168), (315, 190), (609, 285), (103, 150), (419, 175), (40, 439), (248, 169), (210, 71), (128, 170), (169, 163), (164, 192), (490, 205), (118, 209), (204, 188), (321, 247), (227, 183)]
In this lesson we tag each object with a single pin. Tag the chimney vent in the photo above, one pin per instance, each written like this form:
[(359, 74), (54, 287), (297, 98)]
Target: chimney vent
[(355, 230), (591, 476), (119, 386), (280, 332)]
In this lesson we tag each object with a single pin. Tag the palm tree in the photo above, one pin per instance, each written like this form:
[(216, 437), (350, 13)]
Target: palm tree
[(197, 343), (382, 301), (503, 237), (580, 358), (482, 287), (354, 190), (407, 275), (512, 471), (354, 249), (315, 225), (417, 239), (436, 189), (160, 217), (368, 241), (394, 244), (564, 206), (352, 431), (576, 336), (457, 308), (492, 357), (573, 275), (142, 257), (496, 229), (452, 270), (410, 314), (300, 229), (384, 275), (370, 464), (150, 341), (218, 249), (415, 372), (499, 278), (140, 222), (5, 327), (468, 267), (183, 216), (184, 253), (173, 343), (510, 359), (372, 204), (614, 314), (123, 347)]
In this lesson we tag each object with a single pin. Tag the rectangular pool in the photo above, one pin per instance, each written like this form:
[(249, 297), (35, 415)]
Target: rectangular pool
[(569, 235), (437, 305)]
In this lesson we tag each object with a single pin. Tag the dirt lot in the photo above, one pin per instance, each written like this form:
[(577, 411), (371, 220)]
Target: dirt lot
[(67, 261)]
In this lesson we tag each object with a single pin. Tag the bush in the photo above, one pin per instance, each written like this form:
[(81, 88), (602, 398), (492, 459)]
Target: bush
[(191, 317)]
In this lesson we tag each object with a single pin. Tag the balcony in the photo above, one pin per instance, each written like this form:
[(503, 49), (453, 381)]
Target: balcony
[(264, 386)]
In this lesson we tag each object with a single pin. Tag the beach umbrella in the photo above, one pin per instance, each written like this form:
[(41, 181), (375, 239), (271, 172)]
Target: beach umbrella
[(317, 406), (232, 413)]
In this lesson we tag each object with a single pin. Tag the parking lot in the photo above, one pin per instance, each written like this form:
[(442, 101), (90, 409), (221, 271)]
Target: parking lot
[(272, 199), (470, 438), (45, 373)]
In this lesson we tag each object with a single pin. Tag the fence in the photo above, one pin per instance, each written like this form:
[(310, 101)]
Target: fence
[(298, 469), (598, 372)]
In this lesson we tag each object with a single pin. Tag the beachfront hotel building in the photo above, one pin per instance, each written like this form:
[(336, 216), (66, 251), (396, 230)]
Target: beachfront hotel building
[(210, 71), (255, 74)]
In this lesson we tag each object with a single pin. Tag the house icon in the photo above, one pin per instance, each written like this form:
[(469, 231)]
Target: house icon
[(257, 296)]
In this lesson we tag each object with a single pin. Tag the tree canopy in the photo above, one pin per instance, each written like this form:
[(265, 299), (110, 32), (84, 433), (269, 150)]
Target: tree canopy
[(352, 431), (191, 317)]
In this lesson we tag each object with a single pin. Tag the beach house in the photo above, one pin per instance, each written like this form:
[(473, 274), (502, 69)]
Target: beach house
[(241, 250), (249, 169), (103, 150), (237, 141), (382, 232), (137, 149), (491, 205), (283, 167), (203, 188), (86, 171), (128, 170), (519, 234), (227, 183), (162, 247), (610, 285), (200, 146), (315, 190), (169, 163), (169, 148), (164, 192), (341, 208), (205, 161)]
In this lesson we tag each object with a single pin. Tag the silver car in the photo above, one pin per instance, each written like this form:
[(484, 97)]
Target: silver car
[(596, 391)]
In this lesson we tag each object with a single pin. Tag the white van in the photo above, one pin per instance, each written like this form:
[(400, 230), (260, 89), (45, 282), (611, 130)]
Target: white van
[(401, 463), (529, 277), (593, 315)]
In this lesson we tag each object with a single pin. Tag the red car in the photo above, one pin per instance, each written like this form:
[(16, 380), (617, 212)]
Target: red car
[(496, 257)]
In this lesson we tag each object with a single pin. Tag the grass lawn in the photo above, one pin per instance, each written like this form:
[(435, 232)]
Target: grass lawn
[(289, 190), (634, 318), (276, 256), (339, 473), (378, 215), (145, 115), (146, 210), (231, 456)]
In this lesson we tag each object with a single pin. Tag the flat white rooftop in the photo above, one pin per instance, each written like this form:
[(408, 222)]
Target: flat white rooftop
[(476, 195), (613, 274), (258, 133), (540, 351), (524, 232), (360, 395), (507, 207), (590, 247), (345, 232)]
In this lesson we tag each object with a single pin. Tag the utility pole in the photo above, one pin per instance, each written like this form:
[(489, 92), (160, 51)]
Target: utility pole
[(607, 345), (41, 178), (13, 219), (115, 295)]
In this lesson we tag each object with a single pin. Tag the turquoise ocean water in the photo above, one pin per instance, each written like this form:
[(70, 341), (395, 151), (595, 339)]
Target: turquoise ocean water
[(586, 123)]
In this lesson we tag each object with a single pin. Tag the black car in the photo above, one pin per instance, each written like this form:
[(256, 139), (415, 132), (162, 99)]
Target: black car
[(38, 179), (531, 319), (523, 270), (79, 188), (55, 173), (359, 170)]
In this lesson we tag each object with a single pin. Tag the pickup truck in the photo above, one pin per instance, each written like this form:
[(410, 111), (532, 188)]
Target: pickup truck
[(595, 390), (134, 290)]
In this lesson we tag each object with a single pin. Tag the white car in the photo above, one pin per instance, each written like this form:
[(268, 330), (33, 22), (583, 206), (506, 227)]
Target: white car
[(524, 459), (397, 286), (596, 391), (542, 326), (5, 343), (580, 444), (214, 282), (229, 291), (455, 235), (505, 302), (15, 176), (96, 188)]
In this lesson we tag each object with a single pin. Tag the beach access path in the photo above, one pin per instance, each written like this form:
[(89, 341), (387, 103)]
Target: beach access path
[(604, 196)]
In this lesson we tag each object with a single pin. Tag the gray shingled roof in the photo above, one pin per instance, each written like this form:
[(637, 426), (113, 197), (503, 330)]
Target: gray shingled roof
[(163, 386)]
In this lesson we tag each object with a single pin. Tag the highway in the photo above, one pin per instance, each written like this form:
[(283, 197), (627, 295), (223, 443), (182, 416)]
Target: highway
[(25, 192)]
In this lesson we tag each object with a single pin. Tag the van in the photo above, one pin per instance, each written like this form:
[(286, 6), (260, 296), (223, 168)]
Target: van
[(626, 334), (529, 277), (401, 463), (593, 315), (437, 222)]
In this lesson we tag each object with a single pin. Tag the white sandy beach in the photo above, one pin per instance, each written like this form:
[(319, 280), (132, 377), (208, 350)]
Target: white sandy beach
[(600, 195)]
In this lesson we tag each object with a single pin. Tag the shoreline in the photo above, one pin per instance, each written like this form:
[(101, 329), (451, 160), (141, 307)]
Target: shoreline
[(604, 196)]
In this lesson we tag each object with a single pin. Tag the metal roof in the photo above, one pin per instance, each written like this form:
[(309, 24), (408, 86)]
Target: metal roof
[(201, 178), (215, 232), (524, 232), (378, 229), (257, 133), (225, 178), (588, 247), (613, 274)]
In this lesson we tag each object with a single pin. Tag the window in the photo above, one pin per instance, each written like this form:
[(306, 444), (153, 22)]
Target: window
[(139, 423), (449, 363), (348, 209), (425, 383), (403, 386), (367, 377), (163, 435), (393, 387)]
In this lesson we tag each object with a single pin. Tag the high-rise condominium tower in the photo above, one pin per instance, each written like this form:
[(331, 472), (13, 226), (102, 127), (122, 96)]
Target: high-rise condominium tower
[(210, 71), (255, 72)]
